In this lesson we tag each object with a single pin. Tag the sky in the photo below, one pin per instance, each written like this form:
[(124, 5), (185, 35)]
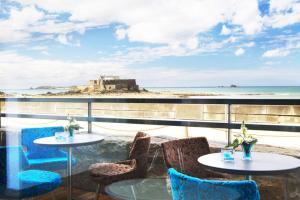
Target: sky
[(161, 43)]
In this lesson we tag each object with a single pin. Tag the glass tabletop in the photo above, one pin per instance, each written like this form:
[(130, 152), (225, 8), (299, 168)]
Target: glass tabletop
[(140, 189)]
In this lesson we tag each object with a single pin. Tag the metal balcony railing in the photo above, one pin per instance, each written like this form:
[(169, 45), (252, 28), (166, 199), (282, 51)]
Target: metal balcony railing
[(228, 124)]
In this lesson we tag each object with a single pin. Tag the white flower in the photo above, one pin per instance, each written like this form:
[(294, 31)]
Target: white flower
[(248, 140)]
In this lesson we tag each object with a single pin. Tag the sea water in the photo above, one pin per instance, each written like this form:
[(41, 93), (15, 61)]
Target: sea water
[(244, 90), (32, 91), (250, 90)]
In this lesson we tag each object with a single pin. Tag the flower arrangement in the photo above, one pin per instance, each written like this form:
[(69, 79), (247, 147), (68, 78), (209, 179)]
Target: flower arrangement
[(243, 138), (72, 125)]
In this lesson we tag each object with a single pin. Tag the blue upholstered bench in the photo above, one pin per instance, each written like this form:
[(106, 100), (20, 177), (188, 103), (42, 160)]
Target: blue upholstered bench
[(39, 157), (18, 181)]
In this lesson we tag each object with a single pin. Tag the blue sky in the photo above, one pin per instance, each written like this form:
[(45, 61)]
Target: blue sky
[(160, 43)]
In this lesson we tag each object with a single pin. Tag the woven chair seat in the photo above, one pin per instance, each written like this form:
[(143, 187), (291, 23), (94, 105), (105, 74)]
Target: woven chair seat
[(109, 169)]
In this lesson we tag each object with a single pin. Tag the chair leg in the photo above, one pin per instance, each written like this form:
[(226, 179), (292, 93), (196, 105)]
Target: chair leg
[(285, 188), (97, 192)]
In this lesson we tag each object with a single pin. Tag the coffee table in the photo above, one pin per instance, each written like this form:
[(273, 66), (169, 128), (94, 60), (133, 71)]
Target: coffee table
[(140, 189), (75, 141), (261, 164)]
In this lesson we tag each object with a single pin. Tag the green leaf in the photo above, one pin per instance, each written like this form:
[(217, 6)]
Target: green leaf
[(234, 144)]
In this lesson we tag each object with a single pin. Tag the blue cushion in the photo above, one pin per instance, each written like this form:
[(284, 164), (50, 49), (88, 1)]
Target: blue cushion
[(50, 163), (37, 182), (39, 157), (185, 187), (28, 135)]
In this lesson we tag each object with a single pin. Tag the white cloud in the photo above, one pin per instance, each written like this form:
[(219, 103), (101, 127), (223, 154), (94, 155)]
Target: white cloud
[(239, 52), (9, 36), (26, 72), (25, 21), (231, 39), (283, 13), (192, 43), (172, 22), (246, 14), (225, 30), (276, 53), (27, 16), (68, 40), (281, 5), (62, 39), (17, 27), (285, 44), (145, 54), (121, 33)]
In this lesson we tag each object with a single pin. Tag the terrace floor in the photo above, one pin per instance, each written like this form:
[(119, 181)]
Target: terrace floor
[(78, 194), (269, 189)]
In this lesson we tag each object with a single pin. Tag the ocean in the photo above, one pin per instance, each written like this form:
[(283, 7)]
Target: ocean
[(32, 91), (243, 90)]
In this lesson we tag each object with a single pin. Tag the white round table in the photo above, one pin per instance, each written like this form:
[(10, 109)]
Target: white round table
[(261, 164), (75, 141)]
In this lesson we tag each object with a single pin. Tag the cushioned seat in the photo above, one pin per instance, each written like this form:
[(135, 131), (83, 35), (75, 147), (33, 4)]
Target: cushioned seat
[(40, 157), (38, 182), (185, 187), (36, 177), (44, 162), (109, 169)]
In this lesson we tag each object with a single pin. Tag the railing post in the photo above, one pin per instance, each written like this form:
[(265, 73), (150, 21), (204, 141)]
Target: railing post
[(186, 131), (89, 116), (228, 124), (0, 114)]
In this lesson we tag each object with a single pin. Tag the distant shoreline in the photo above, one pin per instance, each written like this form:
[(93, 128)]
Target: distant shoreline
[(167, 92)]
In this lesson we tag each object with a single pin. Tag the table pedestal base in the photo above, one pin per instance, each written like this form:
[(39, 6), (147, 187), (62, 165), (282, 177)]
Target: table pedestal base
[(69, 173)]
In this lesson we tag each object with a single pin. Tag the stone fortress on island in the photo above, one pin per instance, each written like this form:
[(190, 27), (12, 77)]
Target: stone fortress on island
[(112, 83)]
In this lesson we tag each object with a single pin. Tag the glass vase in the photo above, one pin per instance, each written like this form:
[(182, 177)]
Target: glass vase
[(71, 132), (247, 148)]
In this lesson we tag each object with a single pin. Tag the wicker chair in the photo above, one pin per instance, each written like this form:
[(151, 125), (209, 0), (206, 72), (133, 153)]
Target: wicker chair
[(182, 155), (135, 167)]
